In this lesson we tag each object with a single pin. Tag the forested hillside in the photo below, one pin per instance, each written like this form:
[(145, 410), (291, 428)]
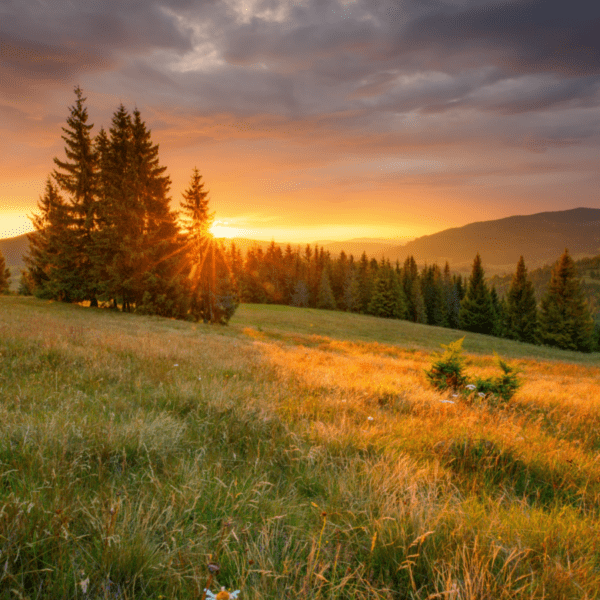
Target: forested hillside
[(539, 238), (588, 269)]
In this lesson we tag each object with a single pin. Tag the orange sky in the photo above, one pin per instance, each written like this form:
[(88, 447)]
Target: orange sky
[(312, 120)]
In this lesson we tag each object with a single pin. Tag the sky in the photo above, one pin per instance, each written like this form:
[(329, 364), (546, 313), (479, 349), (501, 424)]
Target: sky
[(318, 119)]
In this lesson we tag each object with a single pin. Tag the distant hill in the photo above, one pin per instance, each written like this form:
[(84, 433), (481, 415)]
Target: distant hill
[(540, 238), (14, 249), (375, 248)]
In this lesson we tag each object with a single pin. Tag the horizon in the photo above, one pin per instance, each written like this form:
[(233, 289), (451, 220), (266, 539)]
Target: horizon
[(222, 230)]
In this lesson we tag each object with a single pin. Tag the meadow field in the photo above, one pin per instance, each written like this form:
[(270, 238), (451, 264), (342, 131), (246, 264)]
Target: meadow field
[(303, 451)]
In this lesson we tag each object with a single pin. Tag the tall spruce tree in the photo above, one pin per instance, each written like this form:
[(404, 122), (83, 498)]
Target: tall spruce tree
[(499, 314), (52, 259), (564, 319), (476, 309), (213, 290), (351, 294), (4, 276), (118, 248), (325, 297), (158, 286), (433, 295), (76, 179), (520, 320)]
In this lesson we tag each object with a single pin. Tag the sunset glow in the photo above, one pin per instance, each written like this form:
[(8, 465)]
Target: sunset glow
[(321, 120), (222, 230), (13, 224)]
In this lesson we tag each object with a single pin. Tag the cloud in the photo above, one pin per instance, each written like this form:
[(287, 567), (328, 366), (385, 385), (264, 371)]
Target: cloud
[(52, 44), (260, 85), (522, 36)]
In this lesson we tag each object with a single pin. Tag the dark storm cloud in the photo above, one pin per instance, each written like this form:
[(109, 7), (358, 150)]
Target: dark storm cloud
[(329, 77), (51, 43), (526, 36)]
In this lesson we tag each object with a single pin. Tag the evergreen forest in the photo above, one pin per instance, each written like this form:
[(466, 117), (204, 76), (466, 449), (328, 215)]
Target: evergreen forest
[(105, 234)]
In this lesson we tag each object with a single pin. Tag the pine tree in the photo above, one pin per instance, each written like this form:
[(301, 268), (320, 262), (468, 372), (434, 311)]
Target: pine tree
[(351, 293), (453, 304), (388, 299), (433, 295), (76, 179), (52, 258), (4, 276), (118, 242), (476, 309), (325, 298), (499, 315), (521, 311), (158, 289), (381, 303), (213, 290), (195, 217), (364, 282), (301, 295), (565, 319), (411, 283)]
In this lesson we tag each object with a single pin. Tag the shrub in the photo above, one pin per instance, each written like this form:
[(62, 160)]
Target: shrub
[(503, 386), (446, 373)]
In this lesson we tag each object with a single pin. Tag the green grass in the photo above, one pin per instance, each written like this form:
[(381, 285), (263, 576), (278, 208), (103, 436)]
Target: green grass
[(284, 320), (302, 450)]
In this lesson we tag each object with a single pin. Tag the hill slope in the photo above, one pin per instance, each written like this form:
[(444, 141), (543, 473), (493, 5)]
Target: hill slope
[(540, 238), (14, 249), (134, 449)]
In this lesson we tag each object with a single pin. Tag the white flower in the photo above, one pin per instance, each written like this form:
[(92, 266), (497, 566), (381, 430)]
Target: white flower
[(175, 365), (370, 419), (481, 395), (455, 395), (447, 401), (470, 387), (84, 585), (222, 595)]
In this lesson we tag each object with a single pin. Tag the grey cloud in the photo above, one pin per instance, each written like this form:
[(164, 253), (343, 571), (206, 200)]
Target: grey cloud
[(521, 36), (54, 43)]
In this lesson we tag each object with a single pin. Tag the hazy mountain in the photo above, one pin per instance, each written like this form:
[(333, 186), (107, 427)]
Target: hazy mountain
[(14, 249), (374, 247), (540, 238)]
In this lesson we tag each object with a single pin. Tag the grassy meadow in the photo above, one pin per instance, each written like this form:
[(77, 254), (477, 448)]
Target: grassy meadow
[(301, 450)]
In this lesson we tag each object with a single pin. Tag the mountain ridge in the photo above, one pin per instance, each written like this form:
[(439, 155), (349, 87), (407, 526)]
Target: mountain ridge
[(540, 238)]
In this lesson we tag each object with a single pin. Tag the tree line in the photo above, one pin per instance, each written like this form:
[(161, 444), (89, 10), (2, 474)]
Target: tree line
[(105, 232), (430, 295)]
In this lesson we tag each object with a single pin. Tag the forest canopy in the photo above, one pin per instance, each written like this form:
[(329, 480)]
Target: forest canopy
[(105, 232)]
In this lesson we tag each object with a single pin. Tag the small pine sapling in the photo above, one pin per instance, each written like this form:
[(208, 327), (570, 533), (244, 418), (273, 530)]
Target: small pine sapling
[(503, 386), (447, 372)]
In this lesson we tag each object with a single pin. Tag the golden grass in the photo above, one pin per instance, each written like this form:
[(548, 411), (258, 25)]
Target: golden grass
[(328, 468)]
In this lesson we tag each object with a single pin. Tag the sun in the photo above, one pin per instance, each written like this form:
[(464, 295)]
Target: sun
[(220, 229)]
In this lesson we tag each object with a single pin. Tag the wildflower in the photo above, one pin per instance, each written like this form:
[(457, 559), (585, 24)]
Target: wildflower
[(370, 419), (447, 401), (84, 585), (222, 595), (470, 386), (481, 395), (175, 365)]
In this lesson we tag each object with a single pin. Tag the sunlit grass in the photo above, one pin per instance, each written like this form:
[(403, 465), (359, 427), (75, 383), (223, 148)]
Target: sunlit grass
[(134, 450)]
